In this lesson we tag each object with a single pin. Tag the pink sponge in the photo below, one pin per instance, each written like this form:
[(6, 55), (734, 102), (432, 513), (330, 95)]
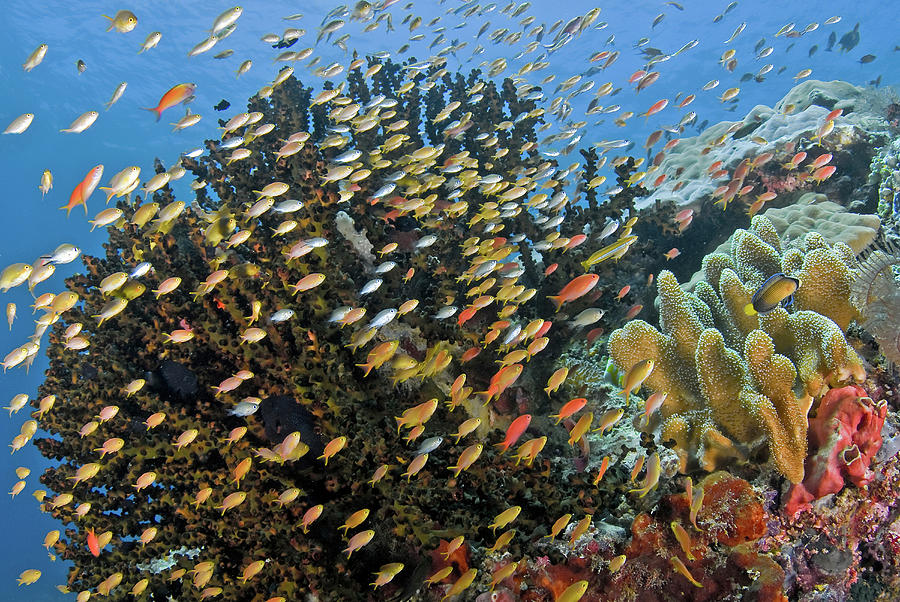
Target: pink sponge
[(844, 436)]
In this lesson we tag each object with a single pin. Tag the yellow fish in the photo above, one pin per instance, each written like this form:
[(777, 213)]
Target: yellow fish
[(123, 22)]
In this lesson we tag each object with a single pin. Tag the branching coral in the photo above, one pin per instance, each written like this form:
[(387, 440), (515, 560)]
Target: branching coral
[(731, 377), (238, 496)]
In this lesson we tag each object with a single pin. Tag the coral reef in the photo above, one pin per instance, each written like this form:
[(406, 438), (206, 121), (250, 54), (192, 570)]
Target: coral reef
[(261, 430), (731, 377), (779, 132), (813, 213)]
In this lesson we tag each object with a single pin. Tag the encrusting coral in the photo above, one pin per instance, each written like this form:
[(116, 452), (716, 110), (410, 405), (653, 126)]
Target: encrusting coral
[(735, 379)]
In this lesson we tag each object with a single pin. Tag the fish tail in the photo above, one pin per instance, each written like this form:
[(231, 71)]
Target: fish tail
[(557, 301), (156, 110), (110, 194)]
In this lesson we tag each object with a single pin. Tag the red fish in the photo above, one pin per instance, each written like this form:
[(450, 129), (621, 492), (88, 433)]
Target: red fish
[(647, 80), (470, 354), (571, 407), (636, 76), (501, 380), (574, 241), (176, 94), (795, 161), (684, 215), (593, 334), (656, 107), (579, 286), (671, 144), (84, 190), (603, 466), (820, 161), (823, 173), (93, 544), (687, 100), (543, 329), (550, 269), (466, 315), (515, 430)]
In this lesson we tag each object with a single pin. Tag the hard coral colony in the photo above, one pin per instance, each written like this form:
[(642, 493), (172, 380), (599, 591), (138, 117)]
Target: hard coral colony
[(395, 251)]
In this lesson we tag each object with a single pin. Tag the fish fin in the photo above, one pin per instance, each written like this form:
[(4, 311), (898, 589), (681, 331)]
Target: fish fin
[(154, 110), (748, 309), (557, 301)]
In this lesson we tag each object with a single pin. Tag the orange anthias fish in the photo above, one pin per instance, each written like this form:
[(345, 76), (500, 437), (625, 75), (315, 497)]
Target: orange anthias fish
[(84, 190), (505, 377), (515, 430), (579, 286), (93, 544), (175, 95)]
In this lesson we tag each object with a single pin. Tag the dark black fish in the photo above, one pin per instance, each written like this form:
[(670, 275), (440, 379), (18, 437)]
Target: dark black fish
[(703, 125), (759, 45), (850, 39), (173, 381), (650, 52), (773, 291), (812, 49), (781, 69), (223, 104), (876, 82), (80, 66), (282, 415), (791, 45), (832, 38), (285, 43), (746, 77), (867, 59)]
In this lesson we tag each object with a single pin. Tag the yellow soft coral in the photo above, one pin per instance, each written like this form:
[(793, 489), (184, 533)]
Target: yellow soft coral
[(735, 381)]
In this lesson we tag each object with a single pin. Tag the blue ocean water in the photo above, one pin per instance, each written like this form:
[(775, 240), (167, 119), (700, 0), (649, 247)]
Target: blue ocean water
[(126, 135)]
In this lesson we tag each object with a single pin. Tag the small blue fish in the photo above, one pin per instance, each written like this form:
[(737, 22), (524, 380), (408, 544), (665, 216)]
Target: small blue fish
[(429, 445), (282, 315), (244, 408)]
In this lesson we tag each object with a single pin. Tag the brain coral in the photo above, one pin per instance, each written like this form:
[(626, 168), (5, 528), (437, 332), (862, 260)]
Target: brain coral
[(734, 380)]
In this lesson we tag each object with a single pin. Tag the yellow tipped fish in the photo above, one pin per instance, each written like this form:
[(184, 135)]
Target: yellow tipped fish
[(123, 22)]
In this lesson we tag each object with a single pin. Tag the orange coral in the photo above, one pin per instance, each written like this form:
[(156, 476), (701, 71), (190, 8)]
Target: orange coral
[(459, 560)]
